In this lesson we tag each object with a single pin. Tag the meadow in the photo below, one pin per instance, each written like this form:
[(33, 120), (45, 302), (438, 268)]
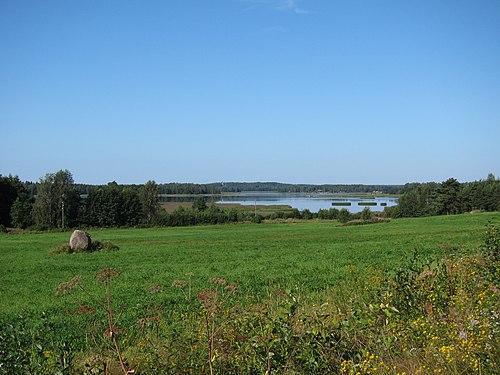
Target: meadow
[(166, 268)]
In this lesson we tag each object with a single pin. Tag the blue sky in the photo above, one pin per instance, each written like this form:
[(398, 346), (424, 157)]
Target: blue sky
[(332, 91)]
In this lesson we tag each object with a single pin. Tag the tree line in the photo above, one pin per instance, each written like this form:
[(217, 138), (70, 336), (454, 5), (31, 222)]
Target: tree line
[(235, 187), (447, 198), (177, 188), (57, 202)]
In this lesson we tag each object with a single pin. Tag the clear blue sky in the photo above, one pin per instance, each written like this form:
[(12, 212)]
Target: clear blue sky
[(332, 91)]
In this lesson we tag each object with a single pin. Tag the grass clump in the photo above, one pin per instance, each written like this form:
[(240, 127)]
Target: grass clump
[(104, 246), (96, 245), (66, 286)]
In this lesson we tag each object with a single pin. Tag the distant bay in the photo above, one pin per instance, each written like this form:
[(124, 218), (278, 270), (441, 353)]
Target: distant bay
[(312, 202)]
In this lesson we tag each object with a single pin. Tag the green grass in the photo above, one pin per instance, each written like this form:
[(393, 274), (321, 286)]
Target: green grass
[(311, 255), (311, 258)]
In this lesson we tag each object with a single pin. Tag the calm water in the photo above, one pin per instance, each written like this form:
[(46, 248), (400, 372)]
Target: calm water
[(313, 202)]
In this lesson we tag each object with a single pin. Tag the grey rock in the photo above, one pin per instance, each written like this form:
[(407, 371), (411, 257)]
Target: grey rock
[(80, 240)]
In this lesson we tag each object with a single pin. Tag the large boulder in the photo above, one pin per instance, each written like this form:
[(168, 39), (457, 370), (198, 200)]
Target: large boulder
[(80, 240)]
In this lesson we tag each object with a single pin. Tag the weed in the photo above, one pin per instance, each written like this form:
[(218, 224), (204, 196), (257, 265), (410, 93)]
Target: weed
[(66, 286), (492, 241)]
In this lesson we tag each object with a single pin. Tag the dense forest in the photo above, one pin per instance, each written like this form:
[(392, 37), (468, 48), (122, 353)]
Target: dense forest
[(56, 201), (305, 188), (177, 188), (448, 198)]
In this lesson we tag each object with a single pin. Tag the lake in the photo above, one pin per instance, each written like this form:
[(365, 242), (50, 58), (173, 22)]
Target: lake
[(312, 202)]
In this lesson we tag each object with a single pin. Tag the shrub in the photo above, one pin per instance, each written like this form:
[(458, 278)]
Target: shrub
[(343, 216), (95, 246), (366, 214), (103, 246), (492, 241), (393, 211), (257, 219)]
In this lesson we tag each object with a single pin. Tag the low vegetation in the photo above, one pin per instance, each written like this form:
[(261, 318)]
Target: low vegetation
[(96, 245)]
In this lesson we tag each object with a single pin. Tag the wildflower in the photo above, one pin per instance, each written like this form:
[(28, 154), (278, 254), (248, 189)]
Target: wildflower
[(107, 273), (208, 298), (462, 335)]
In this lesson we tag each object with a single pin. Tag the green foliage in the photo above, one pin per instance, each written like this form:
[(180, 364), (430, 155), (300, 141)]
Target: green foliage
[(419, 201), (199, 204), (104, 246), (131, 209), (257, 219), (289, 213), (150, 201), (306, 214), (492, 241), (11, 189), (20, 211), (344, 216), (392, 212), (113, 206), (366, 214), (296, 188), (35, 345), (57, 201), (96, 245), (481, 195), (448, 197), (330, 214), (210, 215)]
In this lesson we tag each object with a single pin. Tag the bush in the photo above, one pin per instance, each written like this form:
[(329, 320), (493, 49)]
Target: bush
[(257, 219), (344, 216), (366, 214), (96, 246), (393, 212), (103, 246)]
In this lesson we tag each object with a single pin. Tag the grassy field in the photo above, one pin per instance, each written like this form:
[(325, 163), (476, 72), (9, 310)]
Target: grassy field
[(311, 255), (307, 256)]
